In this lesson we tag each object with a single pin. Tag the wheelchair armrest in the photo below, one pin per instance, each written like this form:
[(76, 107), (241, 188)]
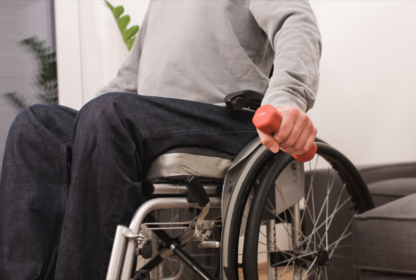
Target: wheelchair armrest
[(243, 99)]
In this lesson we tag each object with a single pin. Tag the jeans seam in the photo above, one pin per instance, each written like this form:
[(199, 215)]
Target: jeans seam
[(192, 131), (103, 266), (65, 186), (125, 188)]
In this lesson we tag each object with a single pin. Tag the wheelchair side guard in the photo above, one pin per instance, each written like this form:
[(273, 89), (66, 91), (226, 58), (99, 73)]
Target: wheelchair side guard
[(233, 185), (233, 173), (290, 186), (289, 190)]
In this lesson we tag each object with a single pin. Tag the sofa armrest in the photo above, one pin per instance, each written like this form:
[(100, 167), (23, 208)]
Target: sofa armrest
[(375, 173)]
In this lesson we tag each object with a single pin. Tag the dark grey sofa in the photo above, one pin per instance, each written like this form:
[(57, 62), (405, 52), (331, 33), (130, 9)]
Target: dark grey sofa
[(384, 239)]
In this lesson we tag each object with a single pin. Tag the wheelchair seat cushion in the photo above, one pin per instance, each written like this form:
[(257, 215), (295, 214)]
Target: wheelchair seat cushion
[(179, 163)]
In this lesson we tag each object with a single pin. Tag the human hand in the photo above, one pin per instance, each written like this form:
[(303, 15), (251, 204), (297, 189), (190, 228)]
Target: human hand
[(296, 134)]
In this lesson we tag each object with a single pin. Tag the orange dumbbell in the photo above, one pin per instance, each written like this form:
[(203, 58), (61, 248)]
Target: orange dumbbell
[(268, 120)]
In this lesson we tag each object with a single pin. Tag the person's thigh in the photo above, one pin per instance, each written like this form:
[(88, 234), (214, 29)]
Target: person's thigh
[(33, 191), (157, 124)]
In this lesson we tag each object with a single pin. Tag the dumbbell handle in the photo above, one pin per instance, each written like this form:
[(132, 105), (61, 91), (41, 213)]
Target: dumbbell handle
[(268, 119)]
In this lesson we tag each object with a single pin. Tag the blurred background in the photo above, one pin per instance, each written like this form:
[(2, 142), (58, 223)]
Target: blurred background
[(366, 101)]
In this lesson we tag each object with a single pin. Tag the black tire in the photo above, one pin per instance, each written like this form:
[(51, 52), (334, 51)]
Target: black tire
[(317, 259)]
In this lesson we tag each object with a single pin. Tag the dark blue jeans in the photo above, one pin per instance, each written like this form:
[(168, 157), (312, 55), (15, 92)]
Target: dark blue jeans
[(69, 178)]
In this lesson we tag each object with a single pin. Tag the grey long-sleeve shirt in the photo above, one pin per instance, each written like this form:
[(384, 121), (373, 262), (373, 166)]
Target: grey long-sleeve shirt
[(202, 50)]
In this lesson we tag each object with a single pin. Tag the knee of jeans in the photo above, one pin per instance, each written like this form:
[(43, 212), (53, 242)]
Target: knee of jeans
[(102, 111), (29, 117)]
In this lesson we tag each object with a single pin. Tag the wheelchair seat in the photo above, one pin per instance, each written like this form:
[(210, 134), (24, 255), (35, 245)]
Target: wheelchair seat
[(208, 164), (181, 162)]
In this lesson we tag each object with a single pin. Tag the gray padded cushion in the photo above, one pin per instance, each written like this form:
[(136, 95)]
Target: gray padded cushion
[(389, 190), (179, 163), (383, 172), (384, 238), (369, 275)]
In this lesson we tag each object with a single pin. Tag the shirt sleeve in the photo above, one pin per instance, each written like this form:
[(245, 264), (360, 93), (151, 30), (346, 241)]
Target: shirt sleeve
[(292, 30), (127, 75)]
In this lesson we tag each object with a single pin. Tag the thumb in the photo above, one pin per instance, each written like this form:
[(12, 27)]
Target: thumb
[(269, 142)]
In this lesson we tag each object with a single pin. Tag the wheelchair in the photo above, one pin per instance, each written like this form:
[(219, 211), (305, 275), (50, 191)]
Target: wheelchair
[(254, 216)]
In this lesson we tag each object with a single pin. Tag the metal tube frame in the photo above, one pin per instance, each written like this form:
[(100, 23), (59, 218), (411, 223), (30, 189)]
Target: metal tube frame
[(295, 209), (119, 247)]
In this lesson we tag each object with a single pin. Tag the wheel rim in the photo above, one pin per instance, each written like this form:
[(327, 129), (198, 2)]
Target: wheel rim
[(318, 245)]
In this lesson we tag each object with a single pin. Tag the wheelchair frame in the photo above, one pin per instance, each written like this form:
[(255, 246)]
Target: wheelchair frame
[(128, 238)]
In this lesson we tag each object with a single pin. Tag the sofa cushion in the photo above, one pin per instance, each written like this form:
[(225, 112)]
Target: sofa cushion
[(389, 190), (382, 172), (370, 275), (384, 238)]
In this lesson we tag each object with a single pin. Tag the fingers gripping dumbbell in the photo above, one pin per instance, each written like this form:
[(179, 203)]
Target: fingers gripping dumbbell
[(267, 119)]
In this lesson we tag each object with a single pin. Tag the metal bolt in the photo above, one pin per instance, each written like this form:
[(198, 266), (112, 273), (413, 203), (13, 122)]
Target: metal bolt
[(293, 166), (200, 225), (193, 225), (197, 237), (213, 225), (206, 237)]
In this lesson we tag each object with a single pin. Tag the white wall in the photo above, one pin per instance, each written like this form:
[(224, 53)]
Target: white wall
[(365, 105), (366, 101), (18, 67), (90, 46), (20, 20)]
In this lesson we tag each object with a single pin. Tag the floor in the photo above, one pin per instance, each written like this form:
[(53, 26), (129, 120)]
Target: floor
[(263, 272)]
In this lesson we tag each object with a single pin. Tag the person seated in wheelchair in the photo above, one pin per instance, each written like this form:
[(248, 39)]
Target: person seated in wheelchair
[(70, 177)]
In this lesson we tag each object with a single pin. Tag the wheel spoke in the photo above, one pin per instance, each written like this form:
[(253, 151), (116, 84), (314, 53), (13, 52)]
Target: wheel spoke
[(283, 273), (341, 246), (340, 239), (333, 268), (269, 241), (342, 235), (332, 218), (316, 229), (285, 222), (322, 208), (274, 210), (327, 205), (306, 274), (343, 257), (326, 199)]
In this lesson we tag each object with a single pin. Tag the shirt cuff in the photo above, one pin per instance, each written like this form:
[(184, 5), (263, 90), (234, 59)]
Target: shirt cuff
[(282, 98)]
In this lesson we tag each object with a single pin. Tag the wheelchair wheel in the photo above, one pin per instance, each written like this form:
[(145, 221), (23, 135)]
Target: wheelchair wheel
[(304, 233)]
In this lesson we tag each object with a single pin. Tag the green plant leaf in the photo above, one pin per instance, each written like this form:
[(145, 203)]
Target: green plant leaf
[(123, 22), (18, 101), (109, 5), (131, 32), (130, 42), (118, 11), (46, 76)]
